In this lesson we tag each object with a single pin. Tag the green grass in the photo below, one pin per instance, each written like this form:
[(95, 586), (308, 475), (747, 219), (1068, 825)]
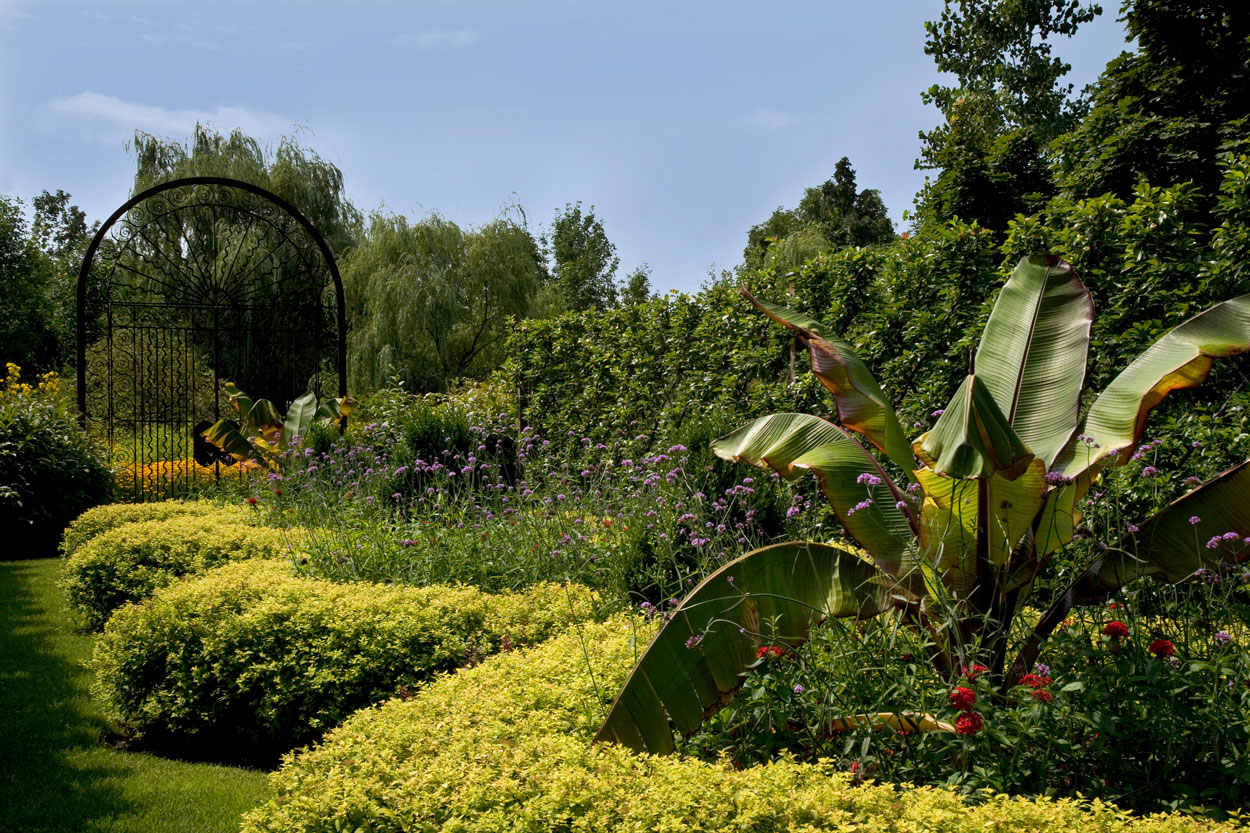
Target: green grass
[(55, 774)]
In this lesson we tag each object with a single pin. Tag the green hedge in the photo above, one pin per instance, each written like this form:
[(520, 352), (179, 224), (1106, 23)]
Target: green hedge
[(110, 516), (126, 563), (505, 747), (248, 660)]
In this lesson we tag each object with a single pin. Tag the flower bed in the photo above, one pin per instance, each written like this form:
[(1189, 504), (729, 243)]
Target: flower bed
[(505, 747)]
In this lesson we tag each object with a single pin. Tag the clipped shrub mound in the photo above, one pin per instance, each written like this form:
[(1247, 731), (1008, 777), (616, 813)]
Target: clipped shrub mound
[(505, 747), (112, 515), (126, 563), (248, 660)]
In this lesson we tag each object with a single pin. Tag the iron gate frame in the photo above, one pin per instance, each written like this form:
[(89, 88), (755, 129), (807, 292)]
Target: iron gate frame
[(192, 185)]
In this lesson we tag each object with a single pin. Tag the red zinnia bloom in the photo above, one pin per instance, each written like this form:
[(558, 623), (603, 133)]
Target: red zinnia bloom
[(769, 651), (971, 673), (1035, 681), (1162, 648), (1042, 695), (1115, 629), (968, 723), (251, 501), (962, 698)]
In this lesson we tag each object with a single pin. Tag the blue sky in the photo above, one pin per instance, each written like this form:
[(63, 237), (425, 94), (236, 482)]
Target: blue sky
[(683, 123)]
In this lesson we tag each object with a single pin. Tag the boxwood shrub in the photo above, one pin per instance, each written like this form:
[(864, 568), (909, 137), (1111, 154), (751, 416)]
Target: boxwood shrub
[(126, 563), (248, 660), (505, 747), (103, 518)]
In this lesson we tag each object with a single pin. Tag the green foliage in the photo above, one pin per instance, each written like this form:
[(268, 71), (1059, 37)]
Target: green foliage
[(50, 471), (262, 434), (583, 260), (101, 519), (833, 215), (388, 769), (126, 563), (248, 661), (1167, 110), (1005, 109), (429, 302)]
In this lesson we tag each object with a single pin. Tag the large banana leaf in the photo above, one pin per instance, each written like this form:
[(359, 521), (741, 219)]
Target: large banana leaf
[(1182, 358), (300, 416), (1033, 352), (972, 438), (771, 596), (793, 443), (862, 405), (1167, 546)]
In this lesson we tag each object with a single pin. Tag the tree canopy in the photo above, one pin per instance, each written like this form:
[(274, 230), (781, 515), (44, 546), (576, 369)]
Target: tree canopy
[(583, 259), (832, 215), (429, 302)]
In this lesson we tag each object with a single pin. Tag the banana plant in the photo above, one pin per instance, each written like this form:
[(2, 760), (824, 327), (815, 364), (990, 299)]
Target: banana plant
[(950, 530), (261, 433)]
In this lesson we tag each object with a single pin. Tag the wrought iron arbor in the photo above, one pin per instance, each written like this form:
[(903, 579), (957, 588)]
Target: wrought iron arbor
[(190, 284)]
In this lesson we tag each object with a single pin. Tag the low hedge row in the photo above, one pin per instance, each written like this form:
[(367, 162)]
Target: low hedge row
[(505, 747), (247, 661), (103, 518), (126, 563)]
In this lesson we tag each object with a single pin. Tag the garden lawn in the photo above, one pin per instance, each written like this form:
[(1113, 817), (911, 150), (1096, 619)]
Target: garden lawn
[(55, 773)]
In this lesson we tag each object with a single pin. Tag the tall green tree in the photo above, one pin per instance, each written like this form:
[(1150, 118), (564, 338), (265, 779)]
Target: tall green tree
[(38, 274), (1007, 105), (1165, 111), (431, 302), (583, 260), (832, 215), (637, 287), (294, 172)]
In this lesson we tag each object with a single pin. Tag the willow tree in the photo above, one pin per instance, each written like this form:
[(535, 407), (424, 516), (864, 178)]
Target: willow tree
[(429, 302)]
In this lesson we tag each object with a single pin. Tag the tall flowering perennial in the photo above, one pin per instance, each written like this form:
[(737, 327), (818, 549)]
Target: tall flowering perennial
[(978, 503)]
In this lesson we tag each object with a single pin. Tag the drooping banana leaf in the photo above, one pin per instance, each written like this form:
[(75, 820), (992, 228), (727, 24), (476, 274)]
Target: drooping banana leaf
[(877, 517), (225, 434), (1168, 546), (972, 438), (1033, 352), (771, 596), (1182, 358), (898, 721), (862, 405)]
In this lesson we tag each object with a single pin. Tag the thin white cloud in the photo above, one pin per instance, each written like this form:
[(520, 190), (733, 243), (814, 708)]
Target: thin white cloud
[(430, 38), (770, 119), (130, 116)]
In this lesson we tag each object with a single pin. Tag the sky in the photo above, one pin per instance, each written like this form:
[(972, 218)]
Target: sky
[(683, 122)]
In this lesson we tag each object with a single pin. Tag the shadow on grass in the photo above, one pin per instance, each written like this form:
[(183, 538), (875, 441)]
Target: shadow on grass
[(55, 773), (45, 713)]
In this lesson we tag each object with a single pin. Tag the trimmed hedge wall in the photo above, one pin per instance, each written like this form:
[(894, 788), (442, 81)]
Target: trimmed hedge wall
[(248, 660), (110, 516), (505, 747), (126, 563)]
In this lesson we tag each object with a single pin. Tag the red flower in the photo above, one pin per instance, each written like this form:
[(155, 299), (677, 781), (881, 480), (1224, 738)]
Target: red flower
[(973, 672), (969, 723), (1042, 695), (962, 698), (278, 492), (1162, 648), (1115, 629), (1035, 681), (769, 651), (251, 501)]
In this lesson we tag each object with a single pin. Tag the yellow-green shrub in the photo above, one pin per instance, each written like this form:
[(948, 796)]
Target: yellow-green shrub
[(505, 747), (126, 563), (248, 660), (103, 518)]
